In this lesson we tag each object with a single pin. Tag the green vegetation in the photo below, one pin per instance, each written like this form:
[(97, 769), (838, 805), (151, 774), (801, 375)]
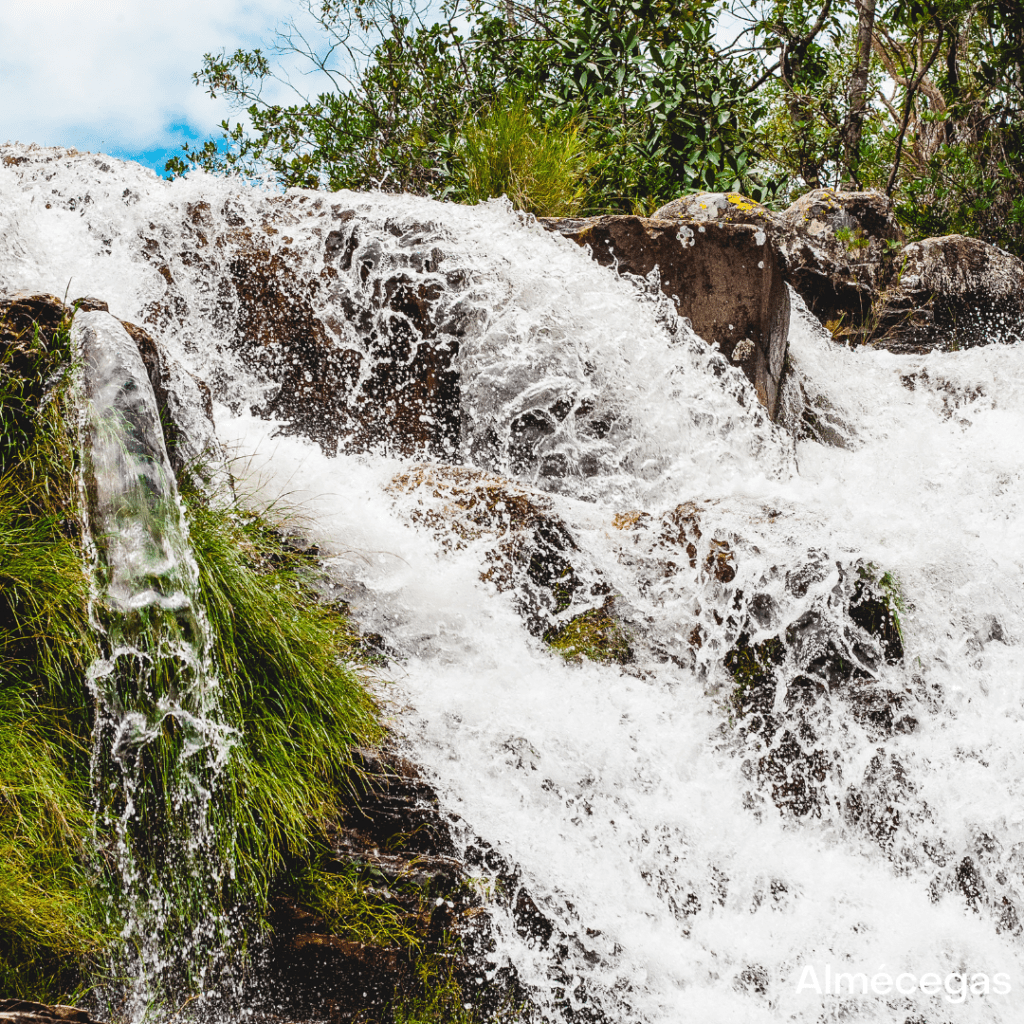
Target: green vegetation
[(49, 914), (752, 667), (289, 682), (594, 635), (877, 605), (923, 100), (540, 169), (285, 685), (438, 996)]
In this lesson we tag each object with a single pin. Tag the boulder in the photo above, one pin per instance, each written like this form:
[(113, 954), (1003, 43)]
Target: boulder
[(722, 276), (795, 651), (358, 349), (952, 293), (868, 216), (28, 333), (529, 550), (837, 252), (397, 844), (714, 208), (22, 1011)]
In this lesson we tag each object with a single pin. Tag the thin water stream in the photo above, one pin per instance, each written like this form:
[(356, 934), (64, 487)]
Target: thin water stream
[(158, 725)]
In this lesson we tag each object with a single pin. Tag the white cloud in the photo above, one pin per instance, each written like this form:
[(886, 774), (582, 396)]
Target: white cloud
[(116, 74)]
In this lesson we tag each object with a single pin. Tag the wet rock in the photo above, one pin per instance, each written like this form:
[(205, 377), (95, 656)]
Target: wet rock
[(952, 293), (21, 312), (528, 548), (798, 651), (595, 635), (186, 412), (675, 541), (723, 276), (788, 688), (358, 350), (21, 1011), (90, 304), (394, 835)]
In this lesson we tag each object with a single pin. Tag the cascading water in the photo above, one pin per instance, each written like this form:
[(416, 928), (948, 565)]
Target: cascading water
[(157, 723), (693, 856)]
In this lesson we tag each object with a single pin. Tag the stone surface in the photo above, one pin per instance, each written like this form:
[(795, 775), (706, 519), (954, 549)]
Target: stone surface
[(724, 277), (379, 373), (714, 207), (952, 292), (837, 253), (868, 215), (394, 835), (529, 549), (22, 1011)]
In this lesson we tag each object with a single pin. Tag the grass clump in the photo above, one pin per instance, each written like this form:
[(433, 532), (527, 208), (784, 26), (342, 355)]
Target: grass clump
[(541, 168), (52, 927), (286, 685), (361, 909)]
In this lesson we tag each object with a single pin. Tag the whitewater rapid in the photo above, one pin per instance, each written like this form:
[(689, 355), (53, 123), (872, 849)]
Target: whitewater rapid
[(620, 795)]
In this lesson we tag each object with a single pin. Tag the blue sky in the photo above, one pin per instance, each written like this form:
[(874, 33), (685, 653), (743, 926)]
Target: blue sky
[(114, 76)]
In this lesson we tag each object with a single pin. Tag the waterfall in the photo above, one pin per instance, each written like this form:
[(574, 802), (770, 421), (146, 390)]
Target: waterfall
[(161, 747), (810, 761)]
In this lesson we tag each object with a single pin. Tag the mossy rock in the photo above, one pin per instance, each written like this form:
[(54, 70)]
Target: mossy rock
[(594, 635)]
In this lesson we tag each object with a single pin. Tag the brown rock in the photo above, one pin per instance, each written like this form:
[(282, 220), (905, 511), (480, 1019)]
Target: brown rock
[(530, 549), (22, 1011), (360, 351), (724, 277), (836, 249), (714, 208)]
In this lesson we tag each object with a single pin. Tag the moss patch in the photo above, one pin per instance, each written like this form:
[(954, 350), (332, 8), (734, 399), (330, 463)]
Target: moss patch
[(593, 635)]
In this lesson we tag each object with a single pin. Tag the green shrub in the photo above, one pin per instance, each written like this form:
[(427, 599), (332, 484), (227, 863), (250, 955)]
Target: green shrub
[(541, 168)]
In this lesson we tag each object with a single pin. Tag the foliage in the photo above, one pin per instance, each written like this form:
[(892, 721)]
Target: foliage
[(51, 925), (633, 86), (541, 169), (438, 997), (356, 910), (285, 685), (920, 98), (284, 674)]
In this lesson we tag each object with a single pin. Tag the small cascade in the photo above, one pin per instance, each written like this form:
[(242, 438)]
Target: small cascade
[(161, 748)]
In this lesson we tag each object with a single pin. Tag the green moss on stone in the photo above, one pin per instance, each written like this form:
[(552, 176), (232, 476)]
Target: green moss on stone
[(594, 635)]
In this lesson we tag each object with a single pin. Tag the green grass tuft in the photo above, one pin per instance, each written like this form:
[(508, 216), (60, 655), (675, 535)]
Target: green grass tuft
[(541, 168), (52, 928), (286, 685)]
